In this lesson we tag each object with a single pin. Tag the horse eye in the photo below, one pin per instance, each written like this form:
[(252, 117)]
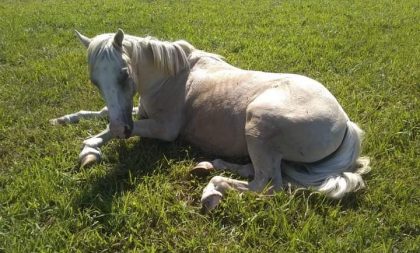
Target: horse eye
[(124, 74)]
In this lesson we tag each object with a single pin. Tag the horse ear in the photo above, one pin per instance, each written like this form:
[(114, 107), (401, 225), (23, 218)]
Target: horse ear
[(118, 38), (85, 40)]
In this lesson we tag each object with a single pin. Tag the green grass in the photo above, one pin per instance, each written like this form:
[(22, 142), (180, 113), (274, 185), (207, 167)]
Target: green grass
[(141, 197)]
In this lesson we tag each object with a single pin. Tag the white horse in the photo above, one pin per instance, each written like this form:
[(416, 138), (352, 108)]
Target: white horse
[(291, 127)]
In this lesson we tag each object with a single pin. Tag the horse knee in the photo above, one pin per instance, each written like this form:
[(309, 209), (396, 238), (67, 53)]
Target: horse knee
[(217, 180), (258, 185), (219, 183)]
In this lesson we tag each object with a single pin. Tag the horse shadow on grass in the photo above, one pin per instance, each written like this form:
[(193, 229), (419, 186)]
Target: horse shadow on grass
[(135, 159), (132, 161)]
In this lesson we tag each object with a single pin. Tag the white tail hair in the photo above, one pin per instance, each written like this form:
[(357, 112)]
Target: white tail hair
[(338, 173)]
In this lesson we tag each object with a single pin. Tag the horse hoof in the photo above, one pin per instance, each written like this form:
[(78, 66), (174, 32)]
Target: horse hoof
[(202, 169), (88, 160), (57, 121), (210, 202)]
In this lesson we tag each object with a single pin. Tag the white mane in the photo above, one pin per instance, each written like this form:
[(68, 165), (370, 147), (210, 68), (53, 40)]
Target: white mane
[(170, 57)]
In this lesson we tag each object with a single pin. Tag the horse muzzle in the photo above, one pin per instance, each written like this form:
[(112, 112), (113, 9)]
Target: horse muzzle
[(121, 131)]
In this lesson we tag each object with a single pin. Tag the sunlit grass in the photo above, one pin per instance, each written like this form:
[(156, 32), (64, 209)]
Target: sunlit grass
[(141, 197)]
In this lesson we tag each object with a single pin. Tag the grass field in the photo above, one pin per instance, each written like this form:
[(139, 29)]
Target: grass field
[(141, 197)]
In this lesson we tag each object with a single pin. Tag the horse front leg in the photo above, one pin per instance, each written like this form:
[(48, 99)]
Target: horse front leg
[(91, 152), (166, 130), (77, 116), (82, 114)]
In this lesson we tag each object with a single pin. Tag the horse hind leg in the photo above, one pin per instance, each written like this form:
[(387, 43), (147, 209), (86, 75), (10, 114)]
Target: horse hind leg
[(266, 160), (216, 189), (218, 185), (205, 168), (262, 125), (265, 166)]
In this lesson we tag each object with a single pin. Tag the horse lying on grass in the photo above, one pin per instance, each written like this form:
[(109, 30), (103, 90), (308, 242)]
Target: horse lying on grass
[(290, 126)]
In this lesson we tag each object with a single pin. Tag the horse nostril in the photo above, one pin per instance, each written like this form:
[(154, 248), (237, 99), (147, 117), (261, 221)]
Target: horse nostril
[(127, 131)]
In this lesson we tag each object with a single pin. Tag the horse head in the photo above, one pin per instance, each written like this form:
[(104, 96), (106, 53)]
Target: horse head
[(110, 72)]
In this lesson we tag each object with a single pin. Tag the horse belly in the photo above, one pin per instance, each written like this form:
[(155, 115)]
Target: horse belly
[(216, 109), (217, 132)]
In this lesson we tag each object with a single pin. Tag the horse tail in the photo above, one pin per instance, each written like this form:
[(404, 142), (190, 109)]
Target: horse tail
[(338, 173)]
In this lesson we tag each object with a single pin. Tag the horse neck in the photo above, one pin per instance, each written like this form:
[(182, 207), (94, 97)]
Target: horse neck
[(146, 75), (149, 78)]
